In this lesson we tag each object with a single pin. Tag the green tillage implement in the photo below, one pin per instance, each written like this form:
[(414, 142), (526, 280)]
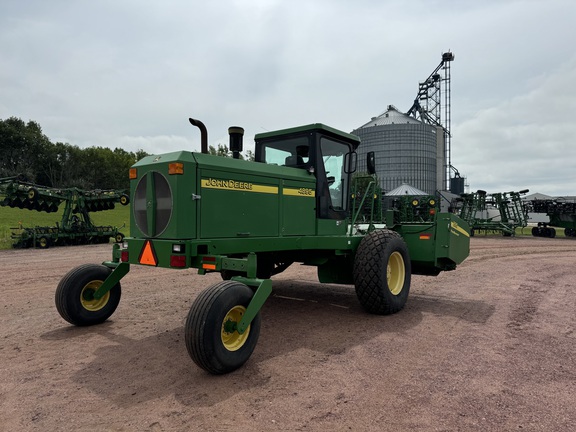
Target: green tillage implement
[(252, 220), (497, 212), (76, 227)]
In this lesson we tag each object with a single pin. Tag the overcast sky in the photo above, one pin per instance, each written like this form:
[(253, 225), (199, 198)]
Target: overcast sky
[(129, 74)]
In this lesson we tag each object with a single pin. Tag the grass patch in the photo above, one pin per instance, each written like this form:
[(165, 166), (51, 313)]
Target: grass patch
[(14, 217)]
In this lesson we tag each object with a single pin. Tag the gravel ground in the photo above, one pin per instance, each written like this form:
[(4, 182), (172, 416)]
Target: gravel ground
[(488, 347)]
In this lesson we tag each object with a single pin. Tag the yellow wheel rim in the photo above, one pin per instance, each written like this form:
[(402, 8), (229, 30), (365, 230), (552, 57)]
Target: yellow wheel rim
[(87, 297), (396, 273), (231, 339)]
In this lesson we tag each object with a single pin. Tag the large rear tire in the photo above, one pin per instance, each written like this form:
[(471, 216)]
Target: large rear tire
[(211, 338), (75, 300), (382, 272)]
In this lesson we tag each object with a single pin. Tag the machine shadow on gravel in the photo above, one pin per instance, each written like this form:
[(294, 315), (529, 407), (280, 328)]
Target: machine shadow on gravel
[(323, 319)]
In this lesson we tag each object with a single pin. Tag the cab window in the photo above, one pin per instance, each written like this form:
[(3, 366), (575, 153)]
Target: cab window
[(333, 154), (292, 152)]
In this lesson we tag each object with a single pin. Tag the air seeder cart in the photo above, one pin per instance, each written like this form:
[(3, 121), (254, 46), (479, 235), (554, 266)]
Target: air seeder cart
[(250, 221), (562, 214)]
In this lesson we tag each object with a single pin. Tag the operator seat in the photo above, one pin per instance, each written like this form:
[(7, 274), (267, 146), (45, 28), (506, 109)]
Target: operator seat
[(295, 161)]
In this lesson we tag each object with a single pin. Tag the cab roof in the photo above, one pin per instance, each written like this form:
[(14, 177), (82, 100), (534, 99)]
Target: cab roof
[(314, 127)]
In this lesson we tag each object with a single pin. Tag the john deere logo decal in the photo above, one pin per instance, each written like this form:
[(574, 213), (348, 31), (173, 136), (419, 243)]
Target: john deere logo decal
[(457, 229), (236, 185)]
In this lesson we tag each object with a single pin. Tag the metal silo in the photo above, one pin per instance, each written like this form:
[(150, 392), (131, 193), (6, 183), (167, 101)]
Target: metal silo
[(406, 150)]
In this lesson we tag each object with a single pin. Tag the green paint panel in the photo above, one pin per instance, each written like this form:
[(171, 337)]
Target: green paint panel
[(454, 238), (147, 197), (298, 208), (436, 245), (234, 204), (331, 227)]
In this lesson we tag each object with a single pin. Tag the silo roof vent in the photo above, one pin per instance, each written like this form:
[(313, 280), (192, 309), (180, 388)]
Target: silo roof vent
[(391, 116), (405, 189)]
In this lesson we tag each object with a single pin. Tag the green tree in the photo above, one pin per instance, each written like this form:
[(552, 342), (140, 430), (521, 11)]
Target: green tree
[(249, 156), (21, 147), (222, 150)]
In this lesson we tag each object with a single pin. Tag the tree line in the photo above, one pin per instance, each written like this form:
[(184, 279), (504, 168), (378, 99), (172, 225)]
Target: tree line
[(26, 151)]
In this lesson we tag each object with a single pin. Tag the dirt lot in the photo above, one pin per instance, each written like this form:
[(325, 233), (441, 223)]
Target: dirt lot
[(488, 347)]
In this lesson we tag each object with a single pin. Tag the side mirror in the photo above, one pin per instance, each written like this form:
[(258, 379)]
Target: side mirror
[(350, 162), (371, 162)]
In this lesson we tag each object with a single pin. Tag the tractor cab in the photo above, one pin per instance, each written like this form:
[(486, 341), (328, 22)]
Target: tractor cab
[(324, 152)]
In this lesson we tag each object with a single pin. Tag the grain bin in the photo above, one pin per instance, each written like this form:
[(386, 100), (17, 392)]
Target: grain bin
[(407, 151)]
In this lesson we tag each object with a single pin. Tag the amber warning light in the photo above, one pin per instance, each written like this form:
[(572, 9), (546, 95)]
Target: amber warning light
[(209, 263), (176, 168)]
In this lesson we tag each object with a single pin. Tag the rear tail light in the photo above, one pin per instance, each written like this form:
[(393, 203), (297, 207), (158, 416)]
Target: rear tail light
[(178, 261), (209, 263)]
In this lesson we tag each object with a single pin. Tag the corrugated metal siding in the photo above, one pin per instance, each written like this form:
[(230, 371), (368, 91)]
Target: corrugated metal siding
[(405, 153)]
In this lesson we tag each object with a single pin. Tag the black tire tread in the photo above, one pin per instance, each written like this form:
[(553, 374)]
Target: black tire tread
[(196, 321), (62, 295), (370, 273)]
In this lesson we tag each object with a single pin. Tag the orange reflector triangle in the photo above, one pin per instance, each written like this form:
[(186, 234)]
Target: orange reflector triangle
[(147, 256)]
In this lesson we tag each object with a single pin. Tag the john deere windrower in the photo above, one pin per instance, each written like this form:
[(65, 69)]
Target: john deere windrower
[(251, 220)]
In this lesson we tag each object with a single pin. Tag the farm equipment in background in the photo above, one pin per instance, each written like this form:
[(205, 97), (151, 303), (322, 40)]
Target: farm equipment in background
[(498, 212), (416, 209), (365, 202), (562, 214), (250, 220), (75, 227)]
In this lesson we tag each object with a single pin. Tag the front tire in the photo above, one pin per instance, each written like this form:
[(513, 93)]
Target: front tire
[(75, 300), (211, 339), (382, 272)]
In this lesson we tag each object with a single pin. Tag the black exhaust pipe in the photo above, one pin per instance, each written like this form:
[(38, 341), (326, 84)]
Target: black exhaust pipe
[(203, 134)]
